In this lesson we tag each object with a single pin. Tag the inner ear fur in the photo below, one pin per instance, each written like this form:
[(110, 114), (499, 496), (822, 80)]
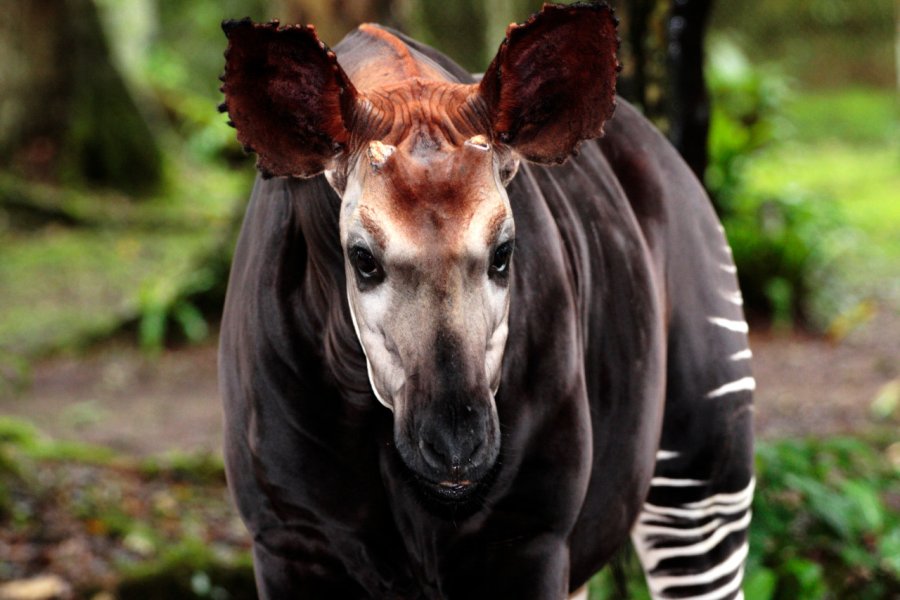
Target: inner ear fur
[(286, 95), (553, 81)]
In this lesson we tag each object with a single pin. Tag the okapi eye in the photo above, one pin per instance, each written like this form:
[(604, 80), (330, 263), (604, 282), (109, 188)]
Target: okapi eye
[(367, 267), (500, 262)]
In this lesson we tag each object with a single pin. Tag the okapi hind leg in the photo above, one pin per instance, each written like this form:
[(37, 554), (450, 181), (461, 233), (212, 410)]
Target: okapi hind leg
[(694, 548), (691, 533)]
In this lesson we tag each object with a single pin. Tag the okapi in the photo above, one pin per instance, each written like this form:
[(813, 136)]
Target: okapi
[(458, 360)]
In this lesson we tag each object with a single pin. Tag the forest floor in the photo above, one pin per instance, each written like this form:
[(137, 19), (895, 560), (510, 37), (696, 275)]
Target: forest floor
[(117, 396)]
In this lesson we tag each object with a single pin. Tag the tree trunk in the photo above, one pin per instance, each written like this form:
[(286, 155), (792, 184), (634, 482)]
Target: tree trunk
[(642, 54), (65, 113), (688, 104)]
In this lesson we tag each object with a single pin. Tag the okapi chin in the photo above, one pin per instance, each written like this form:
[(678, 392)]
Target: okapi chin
[(468, 351)]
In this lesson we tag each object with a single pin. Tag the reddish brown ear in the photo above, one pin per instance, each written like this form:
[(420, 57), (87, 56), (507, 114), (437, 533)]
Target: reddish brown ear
[(287, 97), (553, 81)]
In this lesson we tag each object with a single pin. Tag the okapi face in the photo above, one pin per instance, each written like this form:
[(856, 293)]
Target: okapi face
[(428, 236), (420, 163)]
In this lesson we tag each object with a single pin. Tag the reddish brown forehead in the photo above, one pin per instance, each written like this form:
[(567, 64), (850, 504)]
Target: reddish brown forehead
[(436, 189), (434, 182), (431, 191)]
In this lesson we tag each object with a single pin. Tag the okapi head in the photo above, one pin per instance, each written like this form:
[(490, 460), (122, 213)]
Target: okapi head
[(421, 163)]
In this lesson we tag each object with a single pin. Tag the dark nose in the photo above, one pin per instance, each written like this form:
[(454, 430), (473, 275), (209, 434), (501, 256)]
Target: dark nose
[(455, 452), (455, 455)]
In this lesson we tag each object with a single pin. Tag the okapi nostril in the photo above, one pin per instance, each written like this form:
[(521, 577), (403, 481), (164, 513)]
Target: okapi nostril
[(451, 455), (431, 455)]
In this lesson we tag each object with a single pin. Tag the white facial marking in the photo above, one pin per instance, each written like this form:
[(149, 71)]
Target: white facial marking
[(378, 154), (378, 396), (479, 142), (395, 319)]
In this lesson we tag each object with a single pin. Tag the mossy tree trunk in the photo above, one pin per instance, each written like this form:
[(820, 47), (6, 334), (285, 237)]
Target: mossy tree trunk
[(65, 112)]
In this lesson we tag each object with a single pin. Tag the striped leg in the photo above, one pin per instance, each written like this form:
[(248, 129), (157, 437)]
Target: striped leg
[(691, 535), (693, 548)]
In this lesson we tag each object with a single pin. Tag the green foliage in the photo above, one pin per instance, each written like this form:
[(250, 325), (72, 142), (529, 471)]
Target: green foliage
[(845, 150), (824, 514), (826, 525), (80, 265), (182, 67), (203, 469), (89, 264), (165, 300), (745, 116), (783, 239), (21, 446), (854, 115), (783, 247)]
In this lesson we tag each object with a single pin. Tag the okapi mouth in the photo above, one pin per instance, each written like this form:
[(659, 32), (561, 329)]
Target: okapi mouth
[(454, 500)]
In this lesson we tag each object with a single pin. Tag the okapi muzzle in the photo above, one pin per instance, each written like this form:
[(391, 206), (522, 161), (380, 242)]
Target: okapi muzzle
[(448, 435)]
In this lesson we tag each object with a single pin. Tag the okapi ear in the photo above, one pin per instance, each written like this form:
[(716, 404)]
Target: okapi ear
[(287, 97), (553, 81)]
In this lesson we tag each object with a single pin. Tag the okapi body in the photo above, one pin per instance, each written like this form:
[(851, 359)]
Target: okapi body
[(453, 367)]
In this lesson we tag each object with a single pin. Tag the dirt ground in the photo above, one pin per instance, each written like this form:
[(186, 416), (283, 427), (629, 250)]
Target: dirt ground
[(117, 397)]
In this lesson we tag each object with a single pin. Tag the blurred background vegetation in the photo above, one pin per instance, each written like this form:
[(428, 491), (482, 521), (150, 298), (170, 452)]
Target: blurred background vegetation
[(122, 189)]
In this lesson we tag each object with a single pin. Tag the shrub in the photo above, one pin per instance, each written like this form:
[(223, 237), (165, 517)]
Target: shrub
[(781, 242), (826, 521)]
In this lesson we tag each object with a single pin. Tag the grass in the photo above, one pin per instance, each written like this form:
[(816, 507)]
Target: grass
[(63, 285), (854, 116), (845, 146)]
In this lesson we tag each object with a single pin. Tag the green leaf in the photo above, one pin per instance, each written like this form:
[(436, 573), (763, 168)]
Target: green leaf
[(808, 576), (152, 328), (889, 551), (191, 320), (760, 584), (867, 509)]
